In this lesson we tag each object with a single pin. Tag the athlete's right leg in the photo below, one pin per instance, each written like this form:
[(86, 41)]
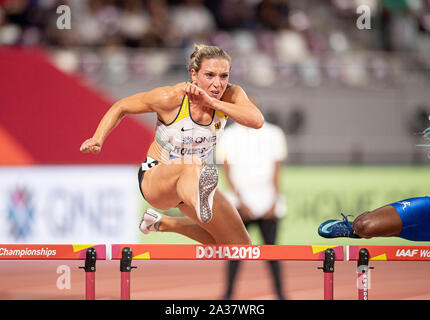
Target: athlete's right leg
[(167, 184), (183, 180)]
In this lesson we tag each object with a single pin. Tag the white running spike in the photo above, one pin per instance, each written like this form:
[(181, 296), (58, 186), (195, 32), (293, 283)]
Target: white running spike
[(149, 221), (208, 182)]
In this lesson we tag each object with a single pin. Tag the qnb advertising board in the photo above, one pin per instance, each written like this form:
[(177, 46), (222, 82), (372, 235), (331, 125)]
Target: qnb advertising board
[(69, 204)]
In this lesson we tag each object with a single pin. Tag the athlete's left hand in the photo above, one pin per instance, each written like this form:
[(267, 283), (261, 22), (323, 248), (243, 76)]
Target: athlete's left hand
[(198, 96)]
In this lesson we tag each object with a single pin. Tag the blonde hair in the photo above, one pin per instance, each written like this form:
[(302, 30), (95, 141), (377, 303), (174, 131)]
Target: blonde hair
[(202, 52)]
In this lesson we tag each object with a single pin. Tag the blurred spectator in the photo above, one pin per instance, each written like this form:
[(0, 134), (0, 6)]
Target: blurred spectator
[(273, 14), (397, 26), (302, 38), (191, 22), (134, 22), (291, 46), (97, 24), (233, 14), (159, 33)]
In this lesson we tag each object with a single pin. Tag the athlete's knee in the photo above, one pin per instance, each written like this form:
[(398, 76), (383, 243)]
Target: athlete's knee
[(248, 241), (245, 239), (192, 165), (364, 226)]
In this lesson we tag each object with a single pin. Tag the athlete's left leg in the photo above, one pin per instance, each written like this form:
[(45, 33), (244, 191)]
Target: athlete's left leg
[(226, 226), (186, 227)]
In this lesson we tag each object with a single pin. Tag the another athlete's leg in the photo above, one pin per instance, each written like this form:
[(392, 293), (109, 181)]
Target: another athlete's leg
[(381, 222)]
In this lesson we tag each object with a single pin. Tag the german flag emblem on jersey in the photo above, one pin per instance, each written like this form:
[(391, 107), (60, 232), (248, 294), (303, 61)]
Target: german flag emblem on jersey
[(218, 125)]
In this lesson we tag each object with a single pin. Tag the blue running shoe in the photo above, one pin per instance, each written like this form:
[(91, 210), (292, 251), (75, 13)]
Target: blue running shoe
[(337, 228)]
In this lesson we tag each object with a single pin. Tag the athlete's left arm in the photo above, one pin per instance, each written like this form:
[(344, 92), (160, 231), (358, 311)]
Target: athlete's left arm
[(239, 108)]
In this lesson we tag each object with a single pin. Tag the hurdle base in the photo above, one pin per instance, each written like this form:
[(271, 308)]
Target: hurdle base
[(90, 276), (328, 269), (125, 268)]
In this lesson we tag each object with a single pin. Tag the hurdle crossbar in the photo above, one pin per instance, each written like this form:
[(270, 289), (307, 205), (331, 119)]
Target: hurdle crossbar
[(89, 253), (226, 252), (390, 253), (128, 252)]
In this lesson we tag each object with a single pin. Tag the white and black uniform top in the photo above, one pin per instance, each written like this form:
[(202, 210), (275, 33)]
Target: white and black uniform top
[(185, 137)]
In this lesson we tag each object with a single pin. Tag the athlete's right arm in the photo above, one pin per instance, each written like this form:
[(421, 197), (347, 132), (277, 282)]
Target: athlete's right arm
[(157, 100)]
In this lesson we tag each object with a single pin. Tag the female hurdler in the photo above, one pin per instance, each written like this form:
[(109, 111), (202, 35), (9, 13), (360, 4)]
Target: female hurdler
[(191, 119)]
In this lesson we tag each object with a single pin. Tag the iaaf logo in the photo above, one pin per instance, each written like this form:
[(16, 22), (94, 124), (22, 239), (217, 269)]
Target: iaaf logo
[(225, 252), (423, 253)]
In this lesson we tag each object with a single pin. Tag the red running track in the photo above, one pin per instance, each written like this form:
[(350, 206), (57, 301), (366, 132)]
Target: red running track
[(165, 280)]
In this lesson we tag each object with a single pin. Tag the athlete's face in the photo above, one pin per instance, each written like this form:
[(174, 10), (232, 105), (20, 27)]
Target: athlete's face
[(212, 76)]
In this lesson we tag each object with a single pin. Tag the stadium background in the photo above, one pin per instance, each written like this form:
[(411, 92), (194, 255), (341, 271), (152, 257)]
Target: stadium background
[(353, 103)]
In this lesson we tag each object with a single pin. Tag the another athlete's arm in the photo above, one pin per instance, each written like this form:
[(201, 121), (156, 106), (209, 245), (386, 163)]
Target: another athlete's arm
[(156, 100)]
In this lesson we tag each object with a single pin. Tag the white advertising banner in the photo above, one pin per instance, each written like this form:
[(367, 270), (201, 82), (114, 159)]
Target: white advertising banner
[(69, 204)]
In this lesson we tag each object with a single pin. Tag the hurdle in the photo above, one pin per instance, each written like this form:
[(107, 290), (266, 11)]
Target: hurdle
[(126, 253), (364, 254), (89, 253)]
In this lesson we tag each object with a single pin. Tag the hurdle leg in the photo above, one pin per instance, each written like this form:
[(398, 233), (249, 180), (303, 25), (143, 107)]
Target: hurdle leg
[(328, 269), (90, 269), (125, 268), (363, 274)]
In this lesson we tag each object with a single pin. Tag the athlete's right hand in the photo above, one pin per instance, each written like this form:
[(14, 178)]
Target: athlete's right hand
[(91, 146)]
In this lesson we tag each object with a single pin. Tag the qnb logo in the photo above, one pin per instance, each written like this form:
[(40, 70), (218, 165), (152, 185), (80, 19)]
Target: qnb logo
[(198, 140), (20, 213)]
